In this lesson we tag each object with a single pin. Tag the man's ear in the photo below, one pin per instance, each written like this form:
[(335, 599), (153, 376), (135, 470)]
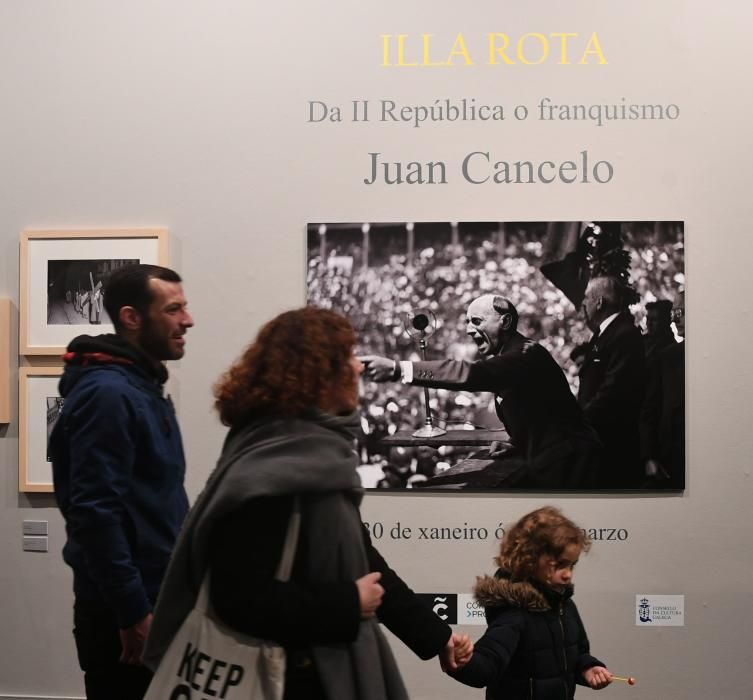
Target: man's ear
[(130, 319), (506, 321)]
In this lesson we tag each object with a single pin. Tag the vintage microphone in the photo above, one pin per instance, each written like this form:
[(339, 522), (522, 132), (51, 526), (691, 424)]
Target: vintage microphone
[(420, 325)]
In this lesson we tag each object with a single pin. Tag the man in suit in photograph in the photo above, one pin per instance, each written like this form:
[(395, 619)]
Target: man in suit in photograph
[(663, 416), (550, 437), (658, 328), (612, 381)]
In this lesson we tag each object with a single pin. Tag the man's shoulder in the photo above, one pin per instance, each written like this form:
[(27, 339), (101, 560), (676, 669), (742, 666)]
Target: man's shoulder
[(621, 329), (520, 346), (105, 382), (672, 354)]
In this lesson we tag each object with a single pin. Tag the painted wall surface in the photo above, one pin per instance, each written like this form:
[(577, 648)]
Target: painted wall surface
[(195, 116)]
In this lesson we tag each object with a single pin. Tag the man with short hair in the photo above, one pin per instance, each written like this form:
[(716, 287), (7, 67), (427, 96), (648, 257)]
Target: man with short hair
[(612, 381), (658, 328), (549, 435), (663, 414), (118, 469)]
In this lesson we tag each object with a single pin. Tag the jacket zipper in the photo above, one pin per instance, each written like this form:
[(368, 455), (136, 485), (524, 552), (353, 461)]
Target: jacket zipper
[(562, 629), (564, 650), (530, 687)]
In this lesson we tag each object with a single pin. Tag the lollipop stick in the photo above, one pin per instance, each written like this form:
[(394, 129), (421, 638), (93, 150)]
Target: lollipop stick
[(624, 679)]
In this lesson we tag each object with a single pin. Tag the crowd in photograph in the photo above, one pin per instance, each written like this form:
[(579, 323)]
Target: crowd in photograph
[(444, 277)]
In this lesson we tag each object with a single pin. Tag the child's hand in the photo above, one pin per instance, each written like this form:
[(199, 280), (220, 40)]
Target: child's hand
[(458, 647), (597, 677), (463, 650)]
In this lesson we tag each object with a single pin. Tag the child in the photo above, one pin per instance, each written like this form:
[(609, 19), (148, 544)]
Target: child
[(535, 645)]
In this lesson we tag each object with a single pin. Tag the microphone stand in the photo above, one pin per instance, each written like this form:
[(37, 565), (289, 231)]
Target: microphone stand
[(429, 430)]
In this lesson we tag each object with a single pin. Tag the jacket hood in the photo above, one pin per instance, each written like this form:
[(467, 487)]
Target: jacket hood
[(87, 351), (499, 591)]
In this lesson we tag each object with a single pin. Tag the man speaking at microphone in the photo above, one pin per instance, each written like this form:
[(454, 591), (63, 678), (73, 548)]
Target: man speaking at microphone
[(549, 434)]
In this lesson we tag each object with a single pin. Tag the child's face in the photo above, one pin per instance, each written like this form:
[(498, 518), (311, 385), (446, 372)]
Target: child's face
[(558, 572)]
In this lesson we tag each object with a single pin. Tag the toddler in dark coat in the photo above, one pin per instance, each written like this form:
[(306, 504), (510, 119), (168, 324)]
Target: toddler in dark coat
[(535, 645)]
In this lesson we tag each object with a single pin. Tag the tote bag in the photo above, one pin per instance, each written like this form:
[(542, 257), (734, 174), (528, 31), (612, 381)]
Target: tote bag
[(207, 660)]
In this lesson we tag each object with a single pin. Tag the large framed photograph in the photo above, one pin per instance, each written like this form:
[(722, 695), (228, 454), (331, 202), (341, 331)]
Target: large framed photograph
[(62, 280), (538, 356), (4, 361), (39, 405)]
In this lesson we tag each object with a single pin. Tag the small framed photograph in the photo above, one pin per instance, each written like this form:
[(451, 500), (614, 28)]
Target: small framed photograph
[(62, 277), (39, 405)]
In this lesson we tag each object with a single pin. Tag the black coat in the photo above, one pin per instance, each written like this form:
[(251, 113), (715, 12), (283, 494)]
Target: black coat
[(535, 645), (245, 550), (534, 401), (612, 386), (663, 416)]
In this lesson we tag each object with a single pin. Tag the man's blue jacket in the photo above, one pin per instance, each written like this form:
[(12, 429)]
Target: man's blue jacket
[(118, 469)]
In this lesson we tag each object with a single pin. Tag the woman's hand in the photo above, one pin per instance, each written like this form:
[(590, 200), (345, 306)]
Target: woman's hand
[(369, 593)]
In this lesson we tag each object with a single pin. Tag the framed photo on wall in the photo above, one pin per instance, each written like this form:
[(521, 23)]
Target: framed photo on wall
[(534, 355), (39, 405), (4, 361), (62, 279)]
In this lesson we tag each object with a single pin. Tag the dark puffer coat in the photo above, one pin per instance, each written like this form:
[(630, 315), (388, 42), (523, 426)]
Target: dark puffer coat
[(535, 646)]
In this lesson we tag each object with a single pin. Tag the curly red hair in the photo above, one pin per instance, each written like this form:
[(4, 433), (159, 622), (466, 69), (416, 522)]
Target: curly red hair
[(299, 359), (545, 531)]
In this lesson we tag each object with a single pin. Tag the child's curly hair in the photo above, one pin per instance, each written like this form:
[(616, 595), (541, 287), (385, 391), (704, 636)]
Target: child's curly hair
[(542, 531)]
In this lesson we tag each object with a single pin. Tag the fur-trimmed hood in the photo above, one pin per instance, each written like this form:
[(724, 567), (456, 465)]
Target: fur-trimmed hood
[(499, 591)]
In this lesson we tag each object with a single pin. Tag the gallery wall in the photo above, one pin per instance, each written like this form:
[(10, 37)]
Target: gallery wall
[(195, 116)]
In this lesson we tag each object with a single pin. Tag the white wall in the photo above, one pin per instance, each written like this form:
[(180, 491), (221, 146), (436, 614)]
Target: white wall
[(192, 115)]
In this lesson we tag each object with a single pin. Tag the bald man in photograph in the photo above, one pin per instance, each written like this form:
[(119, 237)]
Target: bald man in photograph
[(547, 429), (613, 381)]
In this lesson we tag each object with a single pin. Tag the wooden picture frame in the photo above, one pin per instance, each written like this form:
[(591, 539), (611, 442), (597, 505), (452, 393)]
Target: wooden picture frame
[(61, 279), (5, 317), (38, 406)]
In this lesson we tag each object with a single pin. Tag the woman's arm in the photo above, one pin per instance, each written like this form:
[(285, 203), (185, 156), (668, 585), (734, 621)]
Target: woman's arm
[(403, 612), (245, 549)]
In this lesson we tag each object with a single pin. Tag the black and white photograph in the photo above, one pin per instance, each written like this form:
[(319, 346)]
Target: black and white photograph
[(536, 356), (75, 290), (39, 406), (63, 277), (54, 406)]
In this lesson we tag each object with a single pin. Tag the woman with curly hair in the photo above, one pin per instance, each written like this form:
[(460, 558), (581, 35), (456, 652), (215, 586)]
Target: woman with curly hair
[(290, 402), (535, 645)]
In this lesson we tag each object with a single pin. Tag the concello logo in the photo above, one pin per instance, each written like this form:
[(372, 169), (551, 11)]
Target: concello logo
[(644, 610), (444, 605)]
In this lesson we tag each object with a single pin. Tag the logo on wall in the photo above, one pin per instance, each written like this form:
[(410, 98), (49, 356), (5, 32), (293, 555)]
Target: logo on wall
[(470, 611), (444, 605), (455, 608), (660, 610), (644, 610)]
